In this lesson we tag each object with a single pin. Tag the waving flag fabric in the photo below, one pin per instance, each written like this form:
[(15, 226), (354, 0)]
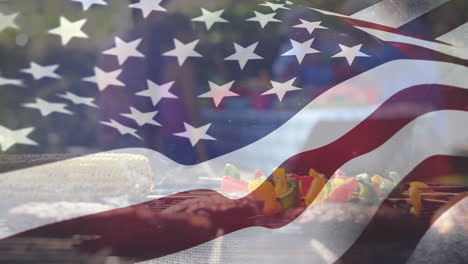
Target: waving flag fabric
[(193, 86), (164, 85)]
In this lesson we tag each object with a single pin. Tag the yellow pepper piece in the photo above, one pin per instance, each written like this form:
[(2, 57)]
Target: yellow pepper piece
[(377, 179), (279, 178), (415, 197), (266, 192), (418, 184), (415, 200), (318, 184)]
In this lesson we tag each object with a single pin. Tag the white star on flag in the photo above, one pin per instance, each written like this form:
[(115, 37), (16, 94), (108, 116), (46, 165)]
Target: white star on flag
[(8, 21), (104, 79), (183, 51), (78, 100), (350, 53), (123, 130), (148, 6), (273, 6), (68, 30), (157, 92), (88, 3), (142, 118), (209, 18), (46, 108), (38, 72), (243, 55), (9, 137), (6, 81), (124, 50), (263, 19), (309, 26), (280, 89), (218, 92), (300, 50), (195, 134)]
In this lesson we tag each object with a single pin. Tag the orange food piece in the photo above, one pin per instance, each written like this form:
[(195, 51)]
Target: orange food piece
[(318, 184), (321, 197), (313, 173), (271, 207), (266, 192)]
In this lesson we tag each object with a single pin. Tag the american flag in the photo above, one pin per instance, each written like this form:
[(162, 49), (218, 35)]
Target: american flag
[(194, 85)]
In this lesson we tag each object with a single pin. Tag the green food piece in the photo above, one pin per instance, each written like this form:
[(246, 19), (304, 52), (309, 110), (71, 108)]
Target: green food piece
[(231, 171), (363, 177), (292, 195), (367, 194), (386, 188), (395, 176)]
